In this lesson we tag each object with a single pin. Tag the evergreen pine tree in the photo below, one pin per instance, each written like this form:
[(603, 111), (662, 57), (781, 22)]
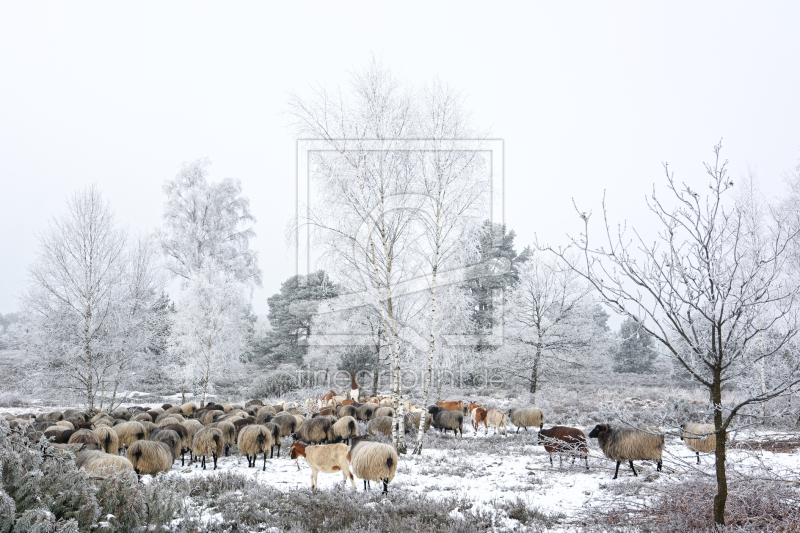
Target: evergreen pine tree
[(635, 352)]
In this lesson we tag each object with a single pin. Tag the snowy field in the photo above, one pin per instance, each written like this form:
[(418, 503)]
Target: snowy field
[(487, 471)]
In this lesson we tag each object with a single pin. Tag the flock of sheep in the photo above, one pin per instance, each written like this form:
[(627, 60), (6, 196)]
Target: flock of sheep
[(324, 431)]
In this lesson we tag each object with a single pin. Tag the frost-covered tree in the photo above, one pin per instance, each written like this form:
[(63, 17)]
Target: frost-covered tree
[(635, 352), (206, 242), (706, 292), (208, 223), (551, 321), (74, 290), (210, 327)]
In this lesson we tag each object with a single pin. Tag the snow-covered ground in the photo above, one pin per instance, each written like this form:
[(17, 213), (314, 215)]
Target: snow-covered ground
[(487, 469)]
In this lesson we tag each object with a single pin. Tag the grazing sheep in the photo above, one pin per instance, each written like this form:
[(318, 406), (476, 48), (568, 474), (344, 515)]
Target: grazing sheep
[(497, 419), (188, 409), (383, 411), (277, 437), (168, 421), (55, 416), (328, 459), (65, 423), (228, 434), (142, 417), (629, 444), (63, 437), (192, 427), (170, 438), (315, 431), (95, 461), (54, 431), (208, 441), (279, 407), (83, 435), (154, 414), (183, 433), (287, 423), (365, 412), (209, 417), (561, 439), (175, 409), (447, 420), (255, 439), (148, 457), (699, 437), (345, 429), (374, 461), (412, 420), (250, 403), (109, 440), (527, 417), (166, 406), (346, 410), (226, 407), (383, 424), (149, 427), (130, 432)]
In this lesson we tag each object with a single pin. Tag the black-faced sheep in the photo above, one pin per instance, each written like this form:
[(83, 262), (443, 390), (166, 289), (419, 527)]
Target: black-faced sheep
[(564, 440), (188, 409), (148, 457), (208, 441), (314, 431), (527, 417), (629, 444), (95, 461), (254, 439), (374, 461), (109, 440), (447, 420), (328, 459), (700, 438)]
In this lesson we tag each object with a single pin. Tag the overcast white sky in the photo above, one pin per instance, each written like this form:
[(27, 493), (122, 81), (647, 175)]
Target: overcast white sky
[(586, 96)]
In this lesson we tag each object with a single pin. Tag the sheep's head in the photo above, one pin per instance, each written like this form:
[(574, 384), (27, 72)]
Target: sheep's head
[(598, 430), (90, 446), (433, 409)]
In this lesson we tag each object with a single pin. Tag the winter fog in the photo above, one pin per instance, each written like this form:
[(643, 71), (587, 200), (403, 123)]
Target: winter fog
[(411, 267)]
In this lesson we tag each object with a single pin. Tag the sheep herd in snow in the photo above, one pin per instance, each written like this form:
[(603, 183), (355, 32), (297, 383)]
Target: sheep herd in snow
[(324, 431)]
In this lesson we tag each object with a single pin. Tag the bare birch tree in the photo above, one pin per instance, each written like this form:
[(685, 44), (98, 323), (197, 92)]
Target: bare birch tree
[(550, 313), (697, 290)]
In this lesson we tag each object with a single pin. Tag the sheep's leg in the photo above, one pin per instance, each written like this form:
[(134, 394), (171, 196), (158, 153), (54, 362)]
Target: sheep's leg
[(386, 485), (227, 451), (551, 459), (518, 430), (264, 468), (215, 461), (616, 471), (698, 457), (659, 466), (204, 462), (632, 468), (365, 485)]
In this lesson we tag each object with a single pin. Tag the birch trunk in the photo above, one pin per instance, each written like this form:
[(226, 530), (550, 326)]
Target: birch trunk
[(431, 347)]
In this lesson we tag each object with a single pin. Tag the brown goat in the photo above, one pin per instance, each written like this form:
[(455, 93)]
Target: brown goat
[(478, 415), (564, 440)]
